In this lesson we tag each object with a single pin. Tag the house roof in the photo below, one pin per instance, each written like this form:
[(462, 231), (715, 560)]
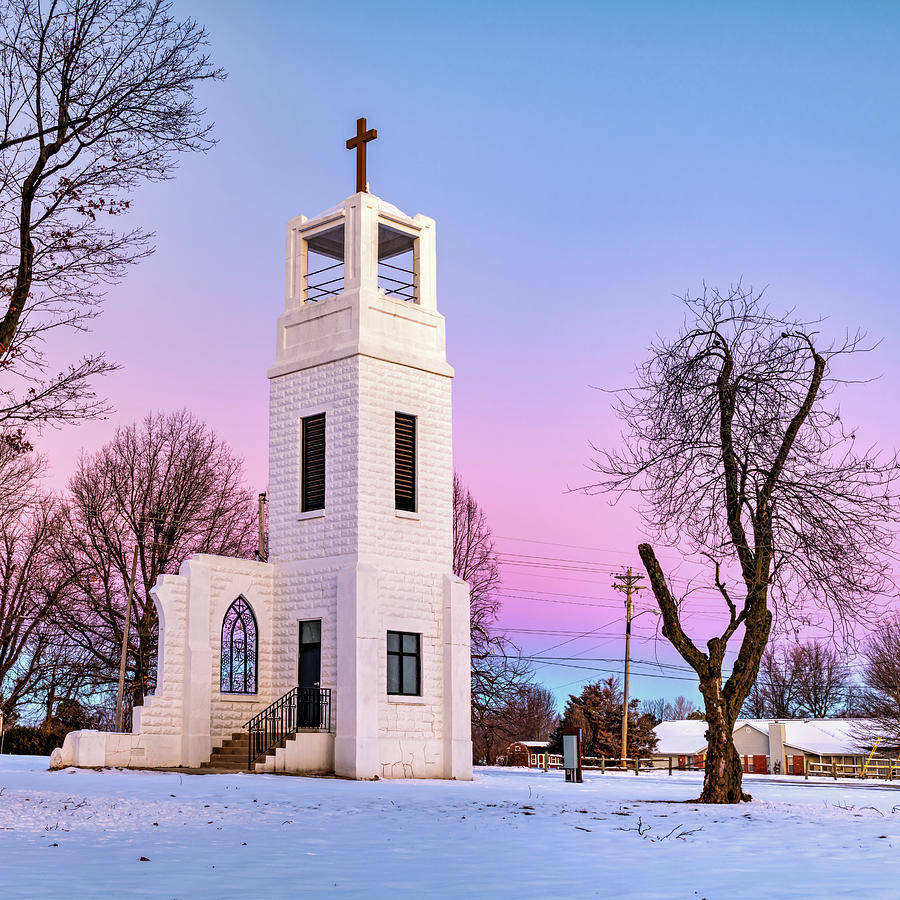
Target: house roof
[(680, 738), (534, 745), (824, 737)]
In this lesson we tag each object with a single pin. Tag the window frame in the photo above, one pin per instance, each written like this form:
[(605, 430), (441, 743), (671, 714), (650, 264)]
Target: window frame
[(251, 654), (308, 505), (400, 655), (404, 504)]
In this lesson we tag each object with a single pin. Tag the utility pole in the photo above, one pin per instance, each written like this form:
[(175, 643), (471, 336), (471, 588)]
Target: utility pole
[(628, 584), (124, 661), (262, 553)]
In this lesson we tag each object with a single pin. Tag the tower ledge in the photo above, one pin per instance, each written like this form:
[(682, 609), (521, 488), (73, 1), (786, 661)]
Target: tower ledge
[(361, 280)]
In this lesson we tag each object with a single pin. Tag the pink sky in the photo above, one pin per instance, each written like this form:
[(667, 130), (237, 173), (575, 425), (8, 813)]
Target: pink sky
[(582, 170)]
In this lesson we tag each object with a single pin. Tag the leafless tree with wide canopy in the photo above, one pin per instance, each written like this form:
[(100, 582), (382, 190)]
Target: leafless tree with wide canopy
[(169, 486), (499, 674), (30, 585), (96, 97), (739, 459)]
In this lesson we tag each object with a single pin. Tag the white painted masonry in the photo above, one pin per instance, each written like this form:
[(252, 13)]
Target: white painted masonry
[(360, 566)]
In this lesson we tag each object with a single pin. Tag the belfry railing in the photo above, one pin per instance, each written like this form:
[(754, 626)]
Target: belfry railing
[(300, 709), (397, 282)]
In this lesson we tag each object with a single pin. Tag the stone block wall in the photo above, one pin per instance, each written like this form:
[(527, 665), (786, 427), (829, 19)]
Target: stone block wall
[(402, 538), (331, 388), (163, 711), (229, 579)]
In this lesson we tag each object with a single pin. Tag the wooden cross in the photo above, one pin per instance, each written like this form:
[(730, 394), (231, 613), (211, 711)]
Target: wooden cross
[(359, 144)]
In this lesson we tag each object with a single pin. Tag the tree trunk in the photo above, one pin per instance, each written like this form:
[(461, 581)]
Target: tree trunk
[(723, 771)]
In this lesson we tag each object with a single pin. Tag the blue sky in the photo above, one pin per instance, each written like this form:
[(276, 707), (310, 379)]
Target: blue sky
[(584, 163)]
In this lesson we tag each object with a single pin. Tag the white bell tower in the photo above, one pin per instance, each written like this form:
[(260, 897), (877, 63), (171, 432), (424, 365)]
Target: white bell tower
[(360, 491)]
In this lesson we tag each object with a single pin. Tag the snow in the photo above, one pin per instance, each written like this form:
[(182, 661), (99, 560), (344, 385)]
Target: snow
[(825, 737), (510, 833), (684, 737)]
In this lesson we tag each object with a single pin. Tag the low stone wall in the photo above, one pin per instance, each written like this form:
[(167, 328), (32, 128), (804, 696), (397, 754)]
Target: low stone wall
[(187, 716), (101, 749)]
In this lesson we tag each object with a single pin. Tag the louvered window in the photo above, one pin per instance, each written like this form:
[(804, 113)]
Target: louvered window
[(405, 462), (312, 475)]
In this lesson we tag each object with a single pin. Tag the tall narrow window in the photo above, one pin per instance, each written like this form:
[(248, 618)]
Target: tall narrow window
[(404, 663), (312, 464), (404, 462), (239, 640)]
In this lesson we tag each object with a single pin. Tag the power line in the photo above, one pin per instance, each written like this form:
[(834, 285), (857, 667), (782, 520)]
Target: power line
[(578, 565), (612, 659), (570, 640), (606, 602), (501, 537), (550, 632), (571, 665)]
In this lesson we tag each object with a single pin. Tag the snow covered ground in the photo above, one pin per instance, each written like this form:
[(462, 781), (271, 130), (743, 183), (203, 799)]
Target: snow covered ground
[(511, 833)]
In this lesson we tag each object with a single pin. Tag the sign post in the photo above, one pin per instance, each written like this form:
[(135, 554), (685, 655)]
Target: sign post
[(572, 755)]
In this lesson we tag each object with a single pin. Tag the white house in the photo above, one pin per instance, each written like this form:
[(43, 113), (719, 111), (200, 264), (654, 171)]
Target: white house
[(348, 650), (786, 746)]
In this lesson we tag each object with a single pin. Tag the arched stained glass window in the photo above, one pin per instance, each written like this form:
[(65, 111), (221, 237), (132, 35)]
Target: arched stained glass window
[(239, 649)]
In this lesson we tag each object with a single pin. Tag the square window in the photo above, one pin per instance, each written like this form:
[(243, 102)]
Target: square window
[(311, 631), (404, 663)]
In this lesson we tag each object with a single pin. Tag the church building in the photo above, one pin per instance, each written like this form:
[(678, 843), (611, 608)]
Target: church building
[(347, 650)]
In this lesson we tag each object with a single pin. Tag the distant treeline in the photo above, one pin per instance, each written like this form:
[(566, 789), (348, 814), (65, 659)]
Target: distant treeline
[(24, 740)]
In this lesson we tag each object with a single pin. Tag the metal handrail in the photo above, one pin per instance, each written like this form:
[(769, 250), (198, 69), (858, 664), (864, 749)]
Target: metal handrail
[(301, 708)]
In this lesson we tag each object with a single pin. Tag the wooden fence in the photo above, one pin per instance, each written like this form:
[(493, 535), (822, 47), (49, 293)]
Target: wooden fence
[(876, 767), (603, 763)]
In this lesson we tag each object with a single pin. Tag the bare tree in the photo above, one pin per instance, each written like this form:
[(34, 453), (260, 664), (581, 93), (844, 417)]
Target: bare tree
[(169, 486), (66, 673), (527, 712), (662, 710), (682, 708), (774, 693), (96, 97), (533, 713), (659, 709), (498, 671), (475, 561), (29, 584), (881, 676), (739, 460), (799, 680), (822, 679)]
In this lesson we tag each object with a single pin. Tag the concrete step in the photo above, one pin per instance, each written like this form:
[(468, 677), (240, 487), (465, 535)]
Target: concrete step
[(232, 755)]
